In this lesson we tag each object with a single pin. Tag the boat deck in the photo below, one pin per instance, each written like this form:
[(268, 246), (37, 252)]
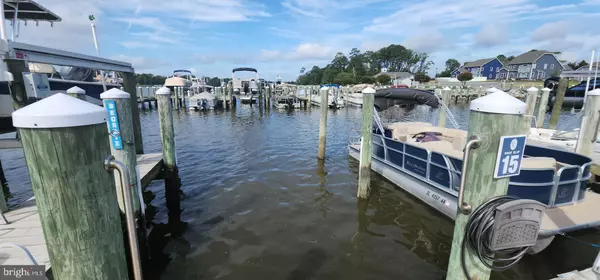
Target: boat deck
[(565, 218), (595, 169), (25, 227)]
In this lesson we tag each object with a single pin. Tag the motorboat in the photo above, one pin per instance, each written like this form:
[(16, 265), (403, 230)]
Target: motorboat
[(355, 96), (180, 78), (246, 88), (426, 161), (334, 100), (204, 101)]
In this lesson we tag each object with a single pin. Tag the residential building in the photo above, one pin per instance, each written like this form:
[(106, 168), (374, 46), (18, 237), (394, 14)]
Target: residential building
[(487, 67), (532, 65), (398, 78)]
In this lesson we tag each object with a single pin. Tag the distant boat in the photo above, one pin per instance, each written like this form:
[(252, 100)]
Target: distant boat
[(205, 101), (247, 89)]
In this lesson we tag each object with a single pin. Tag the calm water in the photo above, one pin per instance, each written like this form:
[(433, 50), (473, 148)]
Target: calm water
[(256, 204)]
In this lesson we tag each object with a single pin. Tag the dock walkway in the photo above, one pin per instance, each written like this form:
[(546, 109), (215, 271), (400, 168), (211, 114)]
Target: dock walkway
[(25, 227)]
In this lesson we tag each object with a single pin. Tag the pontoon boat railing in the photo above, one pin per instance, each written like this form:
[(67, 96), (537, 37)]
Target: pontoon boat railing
[(448, 113)]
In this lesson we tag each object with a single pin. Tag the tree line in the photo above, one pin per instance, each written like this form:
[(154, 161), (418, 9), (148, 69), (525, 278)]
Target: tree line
[(360, 67)]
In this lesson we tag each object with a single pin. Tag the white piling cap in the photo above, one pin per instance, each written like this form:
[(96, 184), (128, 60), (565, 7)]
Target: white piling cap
[(163, 91), (498, 102), (446, 88), (492, 89), (114, 93), (532, 89), (594, 92), (546, 89), (58, 110), (368, 90), (76, 90)]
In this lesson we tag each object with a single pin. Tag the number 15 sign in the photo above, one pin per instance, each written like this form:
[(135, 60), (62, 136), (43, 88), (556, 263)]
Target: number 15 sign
[(510, 154)]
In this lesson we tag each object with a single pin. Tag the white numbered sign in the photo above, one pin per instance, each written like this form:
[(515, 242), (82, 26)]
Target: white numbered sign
[(510, 154)]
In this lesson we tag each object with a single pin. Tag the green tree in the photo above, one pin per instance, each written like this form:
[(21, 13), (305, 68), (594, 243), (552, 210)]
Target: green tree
[(464, 77), (422, 77), (328, 75), (366, 80), (339, 62), (451, 65), (384, 79), (344, 78), (576, 65)]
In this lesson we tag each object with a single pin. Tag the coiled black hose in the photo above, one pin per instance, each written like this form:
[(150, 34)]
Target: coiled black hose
[(478, 236)]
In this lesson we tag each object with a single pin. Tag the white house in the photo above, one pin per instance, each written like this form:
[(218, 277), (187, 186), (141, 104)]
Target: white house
[(398, 78)]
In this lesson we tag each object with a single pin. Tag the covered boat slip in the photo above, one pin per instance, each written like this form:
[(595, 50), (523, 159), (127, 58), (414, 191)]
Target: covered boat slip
[(431, 171)]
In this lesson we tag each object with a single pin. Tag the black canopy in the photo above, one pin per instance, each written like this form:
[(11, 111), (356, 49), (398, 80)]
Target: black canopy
[(244, 69), (385, 98), (28, 10)]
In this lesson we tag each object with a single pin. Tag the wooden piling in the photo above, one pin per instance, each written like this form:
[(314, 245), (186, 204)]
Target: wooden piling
[(532, 94), (230, 92), (64, 142), (446, 99), (129, 85), (541, 113), (491, 117), (366, 143), (167, 131), (590, 123), (77, 92), (323, 124), (139, 97), (558, 102), (116, 103)]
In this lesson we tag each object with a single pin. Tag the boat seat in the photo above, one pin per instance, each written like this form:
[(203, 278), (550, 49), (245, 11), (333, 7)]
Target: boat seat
[(539, 163), (442, 147)]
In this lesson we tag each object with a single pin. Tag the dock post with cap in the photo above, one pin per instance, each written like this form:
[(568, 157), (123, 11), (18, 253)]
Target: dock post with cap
[(590, 123), (532, 94), (563, 83), (366, 143), (167, 131), (491, 117), (65, 146), (77, 92), (446, 94)]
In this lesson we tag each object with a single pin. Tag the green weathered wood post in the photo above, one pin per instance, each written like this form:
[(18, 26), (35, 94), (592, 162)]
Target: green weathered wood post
[(77, 92), (492, 116), (223, 97), (129, 85), (310, 91), (541, 113), (590, 123), (532, 94), (65, 145), (366, 143), (563, 83), (323, 124), (122, 147), (167, 131), (446, 92), (232, 101)]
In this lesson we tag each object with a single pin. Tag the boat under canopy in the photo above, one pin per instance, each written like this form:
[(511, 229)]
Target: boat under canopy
[(244, 69), (385, 98)]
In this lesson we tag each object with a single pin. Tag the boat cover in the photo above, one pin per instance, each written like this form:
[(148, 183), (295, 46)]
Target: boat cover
[(385, 98)]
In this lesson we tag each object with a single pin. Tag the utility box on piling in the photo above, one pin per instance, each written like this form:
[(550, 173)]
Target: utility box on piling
[(65, 145)]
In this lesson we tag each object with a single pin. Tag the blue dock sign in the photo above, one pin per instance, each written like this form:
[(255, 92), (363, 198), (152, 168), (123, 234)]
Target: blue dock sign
[(510, 154), (113, 124)]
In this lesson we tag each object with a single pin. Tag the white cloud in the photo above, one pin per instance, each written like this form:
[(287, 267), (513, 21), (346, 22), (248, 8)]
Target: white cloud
[(142, 64), (492, 35), (426, 40), (551, 31)]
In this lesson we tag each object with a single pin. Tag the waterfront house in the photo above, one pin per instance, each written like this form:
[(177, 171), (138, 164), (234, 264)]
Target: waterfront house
[(398, 78), (487, 67), (532, 65)]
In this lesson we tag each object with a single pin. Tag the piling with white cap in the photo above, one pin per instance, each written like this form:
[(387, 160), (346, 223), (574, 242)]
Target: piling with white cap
[(64, 142), (445, 99), (323, 124), (366, 143), (120, 133), (563, 83), (590, 123), (492, 116), (532, 94), (542, 108), (77, 92), (167, 131)]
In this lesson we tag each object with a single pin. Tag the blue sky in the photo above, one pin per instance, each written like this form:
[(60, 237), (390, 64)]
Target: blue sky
[(211, 37)]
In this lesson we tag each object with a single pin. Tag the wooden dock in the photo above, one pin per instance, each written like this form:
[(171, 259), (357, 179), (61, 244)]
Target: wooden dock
[(25, 227)]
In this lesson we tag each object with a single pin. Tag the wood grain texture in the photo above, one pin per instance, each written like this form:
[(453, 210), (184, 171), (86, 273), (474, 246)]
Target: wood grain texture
[(446, 94), (541, 112), (529, 110), (129, 84), (76, 199), (366, 147), (480, 183), (560, 98), (323, 124), (589, 126), (167, 132)]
